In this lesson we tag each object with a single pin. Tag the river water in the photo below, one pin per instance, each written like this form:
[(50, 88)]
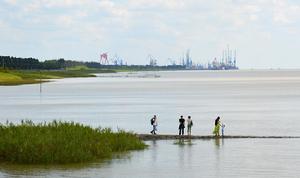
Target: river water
[(262, 103)]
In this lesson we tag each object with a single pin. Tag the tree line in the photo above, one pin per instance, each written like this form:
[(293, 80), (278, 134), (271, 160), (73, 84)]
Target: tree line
[(18, 63)]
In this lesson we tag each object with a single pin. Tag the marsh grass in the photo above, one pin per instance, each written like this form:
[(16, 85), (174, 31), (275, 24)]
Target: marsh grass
[(19, 77), (61, 143)]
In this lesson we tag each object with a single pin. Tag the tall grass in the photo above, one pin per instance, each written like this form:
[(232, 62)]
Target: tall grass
[(61, 142)]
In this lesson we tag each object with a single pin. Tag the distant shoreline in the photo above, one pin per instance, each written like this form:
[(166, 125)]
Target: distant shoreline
[(22, 77)]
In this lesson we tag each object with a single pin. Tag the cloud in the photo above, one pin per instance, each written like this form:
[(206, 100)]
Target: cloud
[(165, 28), (11, 2), (285, 13), (64, 3)]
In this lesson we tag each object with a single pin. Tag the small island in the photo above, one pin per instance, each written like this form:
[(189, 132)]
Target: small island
[(60, 142)]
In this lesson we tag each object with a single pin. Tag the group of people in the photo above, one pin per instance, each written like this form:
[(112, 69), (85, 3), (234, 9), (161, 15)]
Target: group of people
[(189, 123), (218, 124), (181, 127)]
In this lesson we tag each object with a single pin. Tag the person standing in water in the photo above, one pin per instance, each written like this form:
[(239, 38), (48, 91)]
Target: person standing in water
[(189, 125), (154, 125), (181, 125), (217, 127)]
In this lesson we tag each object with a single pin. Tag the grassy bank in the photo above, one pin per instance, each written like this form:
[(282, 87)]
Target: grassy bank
[(18, 77), (61, 142)]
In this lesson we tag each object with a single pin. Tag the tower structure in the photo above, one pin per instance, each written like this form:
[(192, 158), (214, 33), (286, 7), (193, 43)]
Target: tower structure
[(104, 59)]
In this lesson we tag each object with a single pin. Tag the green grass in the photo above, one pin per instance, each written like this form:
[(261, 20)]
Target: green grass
[(61, 143), (18, 77), (8, 78), (82, 67)]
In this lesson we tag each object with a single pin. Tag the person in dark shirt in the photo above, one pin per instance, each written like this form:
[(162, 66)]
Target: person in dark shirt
[(181, 125), (154, 124)]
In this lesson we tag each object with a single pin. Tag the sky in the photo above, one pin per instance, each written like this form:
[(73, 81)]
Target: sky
[(265, 33)]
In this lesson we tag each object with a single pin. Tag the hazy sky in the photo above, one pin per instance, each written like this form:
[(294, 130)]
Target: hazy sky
[(266, 33)]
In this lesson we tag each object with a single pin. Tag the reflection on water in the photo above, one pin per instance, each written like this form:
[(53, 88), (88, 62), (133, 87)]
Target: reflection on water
[(217, 142), (217, 168), (183, 142), (154, 149), (201, 158), (76, 170), (42, 170)]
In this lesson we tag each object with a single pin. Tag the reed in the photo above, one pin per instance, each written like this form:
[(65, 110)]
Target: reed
[(61, 142)]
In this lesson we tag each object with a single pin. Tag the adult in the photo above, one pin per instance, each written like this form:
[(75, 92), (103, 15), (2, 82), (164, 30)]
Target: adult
[(217, 127), (154, 124), (181, 125), (189, 125)]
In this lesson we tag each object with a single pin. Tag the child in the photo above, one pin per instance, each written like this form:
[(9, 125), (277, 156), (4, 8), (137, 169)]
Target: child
[(223, 129)]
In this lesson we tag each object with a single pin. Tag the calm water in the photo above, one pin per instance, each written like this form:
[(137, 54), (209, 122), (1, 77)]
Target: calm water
[(232, 158), (249, 103)]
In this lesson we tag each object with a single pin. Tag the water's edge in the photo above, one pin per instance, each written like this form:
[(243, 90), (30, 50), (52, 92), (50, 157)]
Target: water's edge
[(173, 137)]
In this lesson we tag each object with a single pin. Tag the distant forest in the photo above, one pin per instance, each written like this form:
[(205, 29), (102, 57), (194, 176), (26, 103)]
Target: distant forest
[(8, 62), (17, 63)]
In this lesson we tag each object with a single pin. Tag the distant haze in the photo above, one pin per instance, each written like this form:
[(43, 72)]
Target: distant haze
[(265, 33)]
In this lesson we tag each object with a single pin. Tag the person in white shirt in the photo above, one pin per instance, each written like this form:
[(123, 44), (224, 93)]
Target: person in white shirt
[(189, 125)]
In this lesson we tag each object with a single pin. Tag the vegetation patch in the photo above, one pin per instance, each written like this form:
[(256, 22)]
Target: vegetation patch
[(18, 77), (7, 78), (61, 142)]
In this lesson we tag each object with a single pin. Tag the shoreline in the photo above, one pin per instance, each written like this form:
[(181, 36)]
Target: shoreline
[(22, 77), (146, 137)]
